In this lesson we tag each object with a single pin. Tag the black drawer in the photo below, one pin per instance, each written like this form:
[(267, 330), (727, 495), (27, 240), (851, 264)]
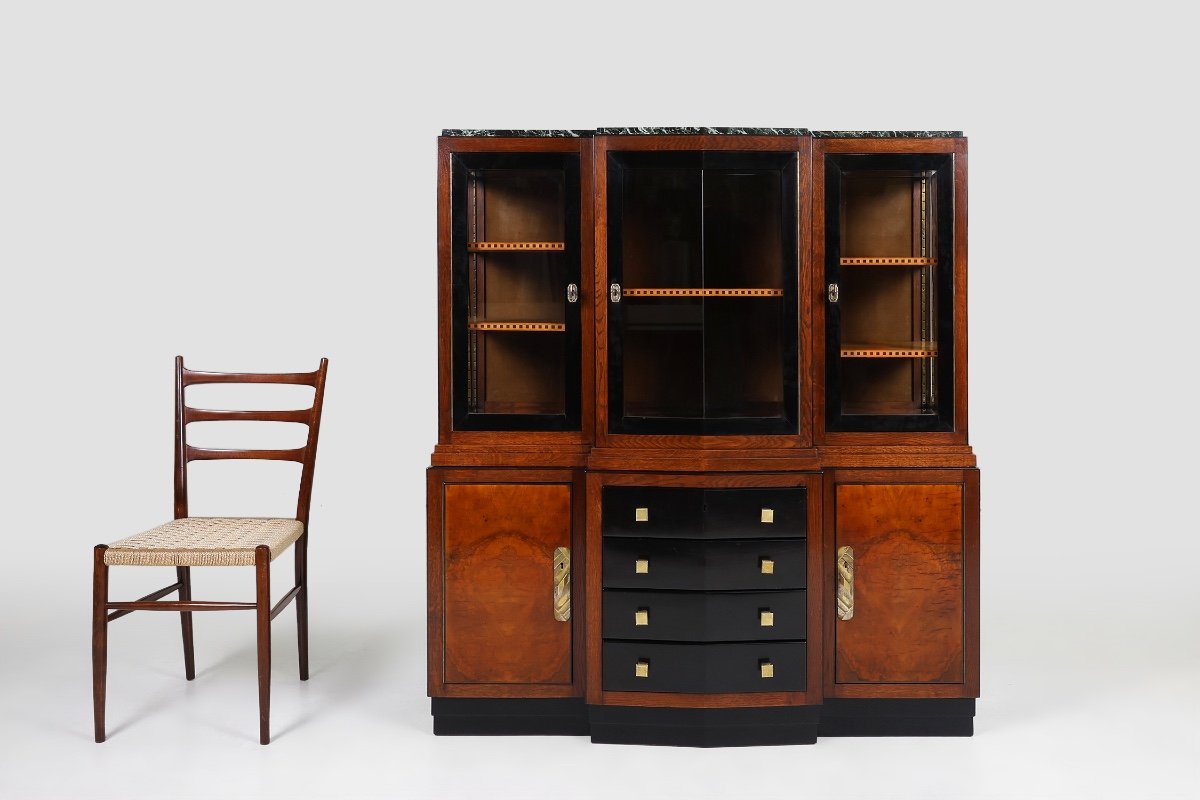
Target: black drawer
[(661, 511), (750, 667), (707, 565), (651, 511), (702, 616)]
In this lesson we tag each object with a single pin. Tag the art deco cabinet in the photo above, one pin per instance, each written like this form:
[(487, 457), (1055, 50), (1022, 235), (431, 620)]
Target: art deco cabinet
[(702, 473)]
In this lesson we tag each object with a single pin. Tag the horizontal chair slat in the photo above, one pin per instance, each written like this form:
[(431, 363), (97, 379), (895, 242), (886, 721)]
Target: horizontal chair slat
[(191, 377), (180, 605), (190, 414), (213, 454)]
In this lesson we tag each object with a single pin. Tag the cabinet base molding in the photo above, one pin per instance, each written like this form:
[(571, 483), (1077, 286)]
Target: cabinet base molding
[(704, 727), (890, 717), (701, 727), (542, 716)]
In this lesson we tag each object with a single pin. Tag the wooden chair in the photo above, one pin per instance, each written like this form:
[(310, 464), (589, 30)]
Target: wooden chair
[(188, 542)]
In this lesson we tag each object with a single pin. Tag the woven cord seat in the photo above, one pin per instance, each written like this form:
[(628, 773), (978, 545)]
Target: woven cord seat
[(205, 542)]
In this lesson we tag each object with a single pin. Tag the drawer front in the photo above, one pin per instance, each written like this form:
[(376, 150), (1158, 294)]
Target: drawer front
[(651, 511), (750, 667), (703, 617), (706, 565), (755, 513)]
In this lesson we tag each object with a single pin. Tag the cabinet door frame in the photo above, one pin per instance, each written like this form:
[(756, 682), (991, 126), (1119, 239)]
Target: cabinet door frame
[(956, 147), (969, 480), (437, 478), (802, 147), (448, 438)]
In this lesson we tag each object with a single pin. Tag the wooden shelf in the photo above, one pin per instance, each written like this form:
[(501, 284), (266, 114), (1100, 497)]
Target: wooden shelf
[(891, 350), (483, 325), (888, 262), (515, 247), (702, 292)]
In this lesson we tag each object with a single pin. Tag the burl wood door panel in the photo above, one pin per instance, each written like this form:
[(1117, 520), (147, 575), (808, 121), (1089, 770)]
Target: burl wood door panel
[(499, 542), (908, 620)]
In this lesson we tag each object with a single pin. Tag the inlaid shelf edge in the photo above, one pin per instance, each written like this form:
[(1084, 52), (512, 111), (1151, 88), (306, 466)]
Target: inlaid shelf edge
[(493, 247), (516, 326), (888, 262), (897, 350), (702, 292)]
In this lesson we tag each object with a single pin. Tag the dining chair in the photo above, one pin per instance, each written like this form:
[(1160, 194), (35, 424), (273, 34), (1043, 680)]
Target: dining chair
[(187, 542)]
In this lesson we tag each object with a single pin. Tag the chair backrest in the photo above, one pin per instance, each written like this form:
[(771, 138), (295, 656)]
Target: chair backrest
[(306, 456)]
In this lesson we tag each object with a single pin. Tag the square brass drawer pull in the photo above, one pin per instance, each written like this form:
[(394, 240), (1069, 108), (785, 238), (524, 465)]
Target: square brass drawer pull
[(641, 566), (641, 515), (641, 616), (768, 515), (766, 669), (641, 669), (766, 566), (766, 618)]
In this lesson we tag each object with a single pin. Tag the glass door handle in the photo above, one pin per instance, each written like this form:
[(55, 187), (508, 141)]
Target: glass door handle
[(572, 293), (833, 292), (614, 292)]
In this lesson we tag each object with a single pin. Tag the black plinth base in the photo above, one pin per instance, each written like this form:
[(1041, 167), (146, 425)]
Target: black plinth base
[(935, 717), (552, 716), (703, 727)]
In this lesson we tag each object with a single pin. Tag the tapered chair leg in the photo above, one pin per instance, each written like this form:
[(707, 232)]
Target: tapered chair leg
[(302, 604), (185, 619), (99, 638), (262, 581)]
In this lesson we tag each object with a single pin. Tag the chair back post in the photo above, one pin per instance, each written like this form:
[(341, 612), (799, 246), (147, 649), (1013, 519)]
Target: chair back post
[(304, 500), (181, 497)]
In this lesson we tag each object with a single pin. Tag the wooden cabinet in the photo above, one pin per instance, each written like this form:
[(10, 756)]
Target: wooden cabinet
[(705, 390)]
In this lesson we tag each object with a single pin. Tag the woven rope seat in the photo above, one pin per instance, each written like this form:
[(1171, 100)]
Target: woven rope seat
[(204, 542)]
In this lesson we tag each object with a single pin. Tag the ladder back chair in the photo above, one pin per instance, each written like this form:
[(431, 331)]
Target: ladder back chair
[(188, 542)]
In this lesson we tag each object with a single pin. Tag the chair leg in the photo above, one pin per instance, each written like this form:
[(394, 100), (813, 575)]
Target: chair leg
[(99, 638), (302, 604), (262, 581), (185, 619)]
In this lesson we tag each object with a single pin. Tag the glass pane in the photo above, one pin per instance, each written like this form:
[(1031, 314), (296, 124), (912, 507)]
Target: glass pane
[(892, 268), (516, 251), (660, 226)]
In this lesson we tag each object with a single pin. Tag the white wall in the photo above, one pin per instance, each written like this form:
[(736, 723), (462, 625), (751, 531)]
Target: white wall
[(252, 185)]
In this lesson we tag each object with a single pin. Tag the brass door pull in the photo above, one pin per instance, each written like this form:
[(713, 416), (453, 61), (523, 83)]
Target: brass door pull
[(641, 566), (641, 616), (766, 669), (562, 584), (767, 515), (845, 582), (641, 515), (766, 566), (766, 618), (641, 669)]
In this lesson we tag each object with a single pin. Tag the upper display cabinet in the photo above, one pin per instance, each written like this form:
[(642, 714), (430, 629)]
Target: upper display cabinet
[(893, 279), (701, 256), (517, 288)]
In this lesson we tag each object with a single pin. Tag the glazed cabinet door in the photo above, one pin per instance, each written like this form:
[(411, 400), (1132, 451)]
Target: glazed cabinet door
[(904, 564), (516, 296), (500, 583)]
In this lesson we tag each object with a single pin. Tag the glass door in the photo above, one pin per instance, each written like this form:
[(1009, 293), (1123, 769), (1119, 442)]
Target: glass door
[(889, 293), (516, 295), (702, 296)]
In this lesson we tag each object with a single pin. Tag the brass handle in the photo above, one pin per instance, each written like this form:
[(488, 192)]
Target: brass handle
[(641, 566), (766, 566), (641, 515), (572, 293), (766, 618), (641, 616), (562, 584), (641, 669), (845, 582), (766, 669), (767, 515)]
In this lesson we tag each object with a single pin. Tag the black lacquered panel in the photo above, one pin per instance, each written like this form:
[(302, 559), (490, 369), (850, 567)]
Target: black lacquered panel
[(705, 565), (703, 616), (668, 511), (705, 667), (734, 513), (660, 511)]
